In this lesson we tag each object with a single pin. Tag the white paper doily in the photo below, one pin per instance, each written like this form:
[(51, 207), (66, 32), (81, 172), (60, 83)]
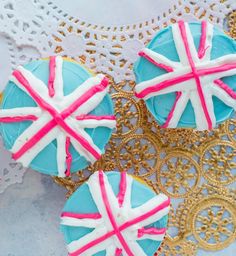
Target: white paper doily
[(106, 34)]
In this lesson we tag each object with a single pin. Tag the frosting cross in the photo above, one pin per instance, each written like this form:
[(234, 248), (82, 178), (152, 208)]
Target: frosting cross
[(196, 77), (117, 226), (57, 116)]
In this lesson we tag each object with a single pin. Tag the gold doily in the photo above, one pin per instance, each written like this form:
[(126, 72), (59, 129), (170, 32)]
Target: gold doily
[(196, 169)]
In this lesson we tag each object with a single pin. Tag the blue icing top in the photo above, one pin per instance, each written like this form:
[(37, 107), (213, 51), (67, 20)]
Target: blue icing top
[(82, 201), (73, 76), (163, 43)]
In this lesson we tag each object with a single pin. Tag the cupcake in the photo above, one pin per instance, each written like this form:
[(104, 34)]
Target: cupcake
[(56, 117), (114, 214), (187, 76)]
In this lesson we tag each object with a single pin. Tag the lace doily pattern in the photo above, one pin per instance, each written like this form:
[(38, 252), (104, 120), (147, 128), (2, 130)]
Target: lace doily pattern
[(196, 169)]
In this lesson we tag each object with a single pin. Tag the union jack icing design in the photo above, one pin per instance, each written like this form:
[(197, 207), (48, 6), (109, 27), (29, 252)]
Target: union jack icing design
[(201, 76), (56, 117), (114, 218)]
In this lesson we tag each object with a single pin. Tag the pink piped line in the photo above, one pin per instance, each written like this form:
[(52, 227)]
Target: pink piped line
[(123, 186), (226, 88), (58, 118), (165, 84), (68, 157), (160, 65), (81, 100), (196, 76), (202, 45), (170, 116), (145, 216), (118, 252), (217, 69), (52, 74), (93, 117), (110, 215), (179, 79), (33, 140), (94, 216), (18, 119), (151, 231)]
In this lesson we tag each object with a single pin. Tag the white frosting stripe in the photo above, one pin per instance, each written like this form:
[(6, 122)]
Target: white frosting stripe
[(201, 123), (93, 123), (152, 237), (208, 42), (158, 83), (210, 105), (82, 151), (58, 82), (88, 223), (128, 193), (147, 207), (224, 96), (20, 112), (180, 46), (83, 241), (61, 154), (178, 110), (160, 58), (95, 191), (81, 90)]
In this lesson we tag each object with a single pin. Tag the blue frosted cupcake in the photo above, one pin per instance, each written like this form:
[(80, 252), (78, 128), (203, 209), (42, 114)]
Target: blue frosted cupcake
[(114, 214), (56, 117), (187, 76)]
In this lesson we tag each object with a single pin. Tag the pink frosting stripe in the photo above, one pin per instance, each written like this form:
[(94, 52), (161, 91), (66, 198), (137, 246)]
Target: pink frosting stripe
[(165, 84), (226, 88), (33, 140), (170, 116), (94, 216), (123, 186), (196, 76), (118, 252), (216, 69), (151, 231), (110, 215), (52, 74), (92, 117), (145, 216), (18, 119), (202, 45), (160, 65), (81, 100), (169, 82), (68, 157), (58, 118)]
